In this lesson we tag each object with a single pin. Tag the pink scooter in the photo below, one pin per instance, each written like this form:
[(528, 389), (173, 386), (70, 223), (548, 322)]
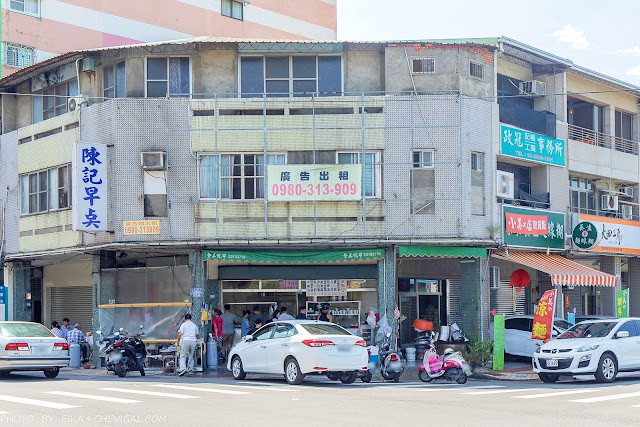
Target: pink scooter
[(451, 367)]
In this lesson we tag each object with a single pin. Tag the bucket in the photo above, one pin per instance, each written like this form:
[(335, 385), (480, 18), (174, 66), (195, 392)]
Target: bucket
[(444, 333), (411, 354)]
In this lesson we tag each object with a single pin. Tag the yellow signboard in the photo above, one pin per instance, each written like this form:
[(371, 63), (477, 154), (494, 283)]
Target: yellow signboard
[(141, 227)]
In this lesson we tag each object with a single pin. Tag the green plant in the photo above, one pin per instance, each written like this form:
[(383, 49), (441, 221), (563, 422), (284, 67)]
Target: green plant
[(494, 230), (478, 352)]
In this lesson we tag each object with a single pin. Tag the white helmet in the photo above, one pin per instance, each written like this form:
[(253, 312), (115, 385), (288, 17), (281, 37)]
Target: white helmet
[(448, 351)]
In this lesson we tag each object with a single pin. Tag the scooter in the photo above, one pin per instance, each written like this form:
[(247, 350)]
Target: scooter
[(452, 366), (388, 363), (124, 354)]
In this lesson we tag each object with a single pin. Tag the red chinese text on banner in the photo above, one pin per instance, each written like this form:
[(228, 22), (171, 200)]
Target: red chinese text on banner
[(532, 225), (543, 318)]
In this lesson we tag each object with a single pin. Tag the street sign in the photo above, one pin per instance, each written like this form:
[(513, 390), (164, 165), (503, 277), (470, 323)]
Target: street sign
[(586, 235)]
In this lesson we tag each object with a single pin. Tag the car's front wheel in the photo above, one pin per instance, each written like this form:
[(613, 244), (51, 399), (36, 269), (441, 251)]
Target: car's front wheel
[(292, 372), (236, 369), (548, 378), (607, 369), (51, 373)]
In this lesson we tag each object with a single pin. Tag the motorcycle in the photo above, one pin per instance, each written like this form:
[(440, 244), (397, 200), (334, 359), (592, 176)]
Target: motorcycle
[(383, 360), (451, 367), (124, 353)]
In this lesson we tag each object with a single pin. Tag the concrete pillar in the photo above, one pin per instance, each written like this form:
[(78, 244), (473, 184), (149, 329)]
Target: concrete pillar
[(634, 287), (612, 265), (196, 265), (21, 287), (103, 292), (387, 284), (609, 122), (95, 324), (471, 272)]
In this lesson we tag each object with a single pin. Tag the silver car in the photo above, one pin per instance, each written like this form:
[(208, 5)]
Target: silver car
[(27, 346)]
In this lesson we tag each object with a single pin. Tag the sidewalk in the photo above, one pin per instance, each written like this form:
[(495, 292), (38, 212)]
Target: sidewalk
[(513, 371)]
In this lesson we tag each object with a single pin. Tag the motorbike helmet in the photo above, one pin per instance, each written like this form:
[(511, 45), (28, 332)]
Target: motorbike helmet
[(448, 351)]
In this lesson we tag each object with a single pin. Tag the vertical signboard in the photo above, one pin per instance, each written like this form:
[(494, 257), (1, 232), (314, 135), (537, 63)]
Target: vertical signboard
[(543, 318), (90, 187), (622, 303), (3, 302)]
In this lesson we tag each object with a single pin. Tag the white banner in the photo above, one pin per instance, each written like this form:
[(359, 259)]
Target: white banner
[(90, 187), (618, 235), (298, 183), (326, 288)]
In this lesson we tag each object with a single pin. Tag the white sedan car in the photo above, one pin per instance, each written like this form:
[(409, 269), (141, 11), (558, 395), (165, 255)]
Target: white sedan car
[(594, 347), (27, 346), (299, 347)]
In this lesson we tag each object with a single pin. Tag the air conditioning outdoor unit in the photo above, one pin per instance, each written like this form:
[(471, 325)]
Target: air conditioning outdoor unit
[(505, 184), (152, 160), (494, 278), (628, 191), (76, 102), (533, 87), (627, 211), (609, 202)]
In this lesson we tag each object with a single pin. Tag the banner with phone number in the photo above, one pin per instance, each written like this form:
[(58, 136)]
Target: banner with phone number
[(543, 318), (298, 183)]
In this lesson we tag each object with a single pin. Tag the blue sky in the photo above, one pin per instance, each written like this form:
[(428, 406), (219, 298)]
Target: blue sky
[(602, 36)]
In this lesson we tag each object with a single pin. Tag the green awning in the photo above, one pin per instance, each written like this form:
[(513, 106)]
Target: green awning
[(295, 256), (442, 251)]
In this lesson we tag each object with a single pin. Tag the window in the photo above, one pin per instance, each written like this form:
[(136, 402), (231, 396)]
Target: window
[(52, 101), (518, 323), (424, 65), (423, 159), (284, 331), (477, 161), (582, 195), (28, 6), (629, 327), (113, 80), (476, 70), (168, 75), (298, 74), (17, 55), (235, 176), (263, 333), (46, 190), (624, 125), (371, 169), (232, 9)]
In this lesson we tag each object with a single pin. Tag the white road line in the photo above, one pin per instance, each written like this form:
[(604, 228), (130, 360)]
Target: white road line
[(513, 390), (610, 397), (481, 387), (250, 387), (3, 412), (150, 393), (92, 397), (34, 402), (210, 390), (555, 393)]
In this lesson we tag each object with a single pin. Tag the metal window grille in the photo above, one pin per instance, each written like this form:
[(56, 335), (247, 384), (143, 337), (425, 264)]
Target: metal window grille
[(476, 70), (424, 65), (18, 55)]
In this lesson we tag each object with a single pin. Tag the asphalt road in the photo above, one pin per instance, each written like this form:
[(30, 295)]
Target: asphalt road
[(71, 399)]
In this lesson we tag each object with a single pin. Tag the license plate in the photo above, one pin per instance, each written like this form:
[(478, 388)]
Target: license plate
[(344, 348), (552, 363)]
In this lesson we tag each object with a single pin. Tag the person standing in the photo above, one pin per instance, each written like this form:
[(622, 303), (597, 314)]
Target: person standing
[(187, 339), (257, 315), (257, 326), (276, 315), (66, 327), (228, 328), (284, 315), (302, 314), (55, 330), (216, 324), (244, 323), (325, 316)]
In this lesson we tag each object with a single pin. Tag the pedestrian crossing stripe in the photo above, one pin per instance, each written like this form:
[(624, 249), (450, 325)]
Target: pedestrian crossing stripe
[(35, 402), (556, 393), (203, 389), (92, 397), (150, 393), (609, 397)]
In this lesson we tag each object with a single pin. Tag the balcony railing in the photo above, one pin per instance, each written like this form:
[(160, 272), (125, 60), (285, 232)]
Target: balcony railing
[(608, 214), (591, 137)]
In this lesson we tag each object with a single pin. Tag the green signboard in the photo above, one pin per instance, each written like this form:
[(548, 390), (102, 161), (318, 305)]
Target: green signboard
[(586, 235), (622, 303), (498, 342), (295, 256), (533, 228), (531, 146)]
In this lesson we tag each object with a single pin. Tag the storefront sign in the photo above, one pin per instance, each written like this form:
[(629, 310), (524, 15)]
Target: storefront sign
[(533, 228), (586, 235), (90, 187), (3, 301), (296, 257), (288, 284), (622, 303), (543, 317), (297, 183), (527, 145), (196, 292), (326, 288), (617, 235), (141, 227)]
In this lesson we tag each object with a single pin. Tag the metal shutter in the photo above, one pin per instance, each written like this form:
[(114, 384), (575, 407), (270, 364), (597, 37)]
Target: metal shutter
[(454, 302), (502, 298), (74, 302)]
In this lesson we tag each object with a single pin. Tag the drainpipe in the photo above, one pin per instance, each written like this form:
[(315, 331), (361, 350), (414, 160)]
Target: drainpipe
[(78, 74)]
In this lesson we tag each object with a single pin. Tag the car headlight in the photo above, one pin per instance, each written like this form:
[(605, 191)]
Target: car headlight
[(587, 348)]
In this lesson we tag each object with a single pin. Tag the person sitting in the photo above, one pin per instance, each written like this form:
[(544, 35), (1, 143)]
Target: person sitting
[(77, 337), (66, 327), (55, 330), (284, 315)]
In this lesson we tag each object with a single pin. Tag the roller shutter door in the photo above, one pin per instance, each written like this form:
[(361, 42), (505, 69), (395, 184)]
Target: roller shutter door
[(454, 303), (74, 302)]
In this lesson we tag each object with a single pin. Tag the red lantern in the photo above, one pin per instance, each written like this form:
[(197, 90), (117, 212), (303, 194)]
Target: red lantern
[(519, 279)]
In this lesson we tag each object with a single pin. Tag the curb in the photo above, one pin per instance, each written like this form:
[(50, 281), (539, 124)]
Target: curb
[(484, 375)]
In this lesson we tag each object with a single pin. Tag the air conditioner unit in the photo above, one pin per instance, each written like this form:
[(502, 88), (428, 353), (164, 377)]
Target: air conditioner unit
[(627, 211), (505, 185), (494, 278), (628, 191), (609, 202), (152, 160), (76, 102), (533, 87)]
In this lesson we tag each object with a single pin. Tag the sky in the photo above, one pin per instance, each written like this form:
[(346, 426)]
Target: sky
[(600, 35)]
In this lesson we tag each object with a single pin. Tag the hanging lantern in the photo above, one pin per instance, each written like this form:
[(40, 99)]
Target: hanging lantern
[(519, 279)]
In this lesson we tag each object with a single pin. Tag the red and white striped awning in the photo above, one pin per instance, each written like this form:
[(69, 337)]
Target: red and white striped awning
[(563, 271)]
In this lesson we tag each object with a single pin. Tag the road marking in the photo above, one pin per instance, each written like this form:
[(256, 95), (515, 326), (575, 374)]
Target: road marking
[(256, 388), (555, 393), (34, 402), (513, 390), (150, 393), (210, 390), (92, 397), (481, 387), (610, 397), (3, 412)]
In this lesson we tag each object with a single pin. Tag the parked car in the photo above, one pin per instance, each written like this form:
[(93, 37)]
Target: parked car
[(583, 317), (517, 334), (27, 346), (299, 347), (599, 347)]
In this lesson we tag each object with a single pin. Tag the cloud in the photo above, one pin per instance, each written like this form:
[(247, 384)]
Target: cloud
[(570, 35), (634, 51), (635, 71)]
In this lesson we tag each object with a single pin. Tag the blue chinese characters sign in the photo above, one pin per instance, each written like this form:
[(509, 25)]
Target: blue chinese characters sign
[(527, 145), (90, 187)]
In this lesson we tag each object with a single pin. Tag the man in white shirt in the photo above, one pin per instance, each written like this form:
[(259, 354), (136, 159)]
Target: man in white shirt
[(284, 314), (187, 338)]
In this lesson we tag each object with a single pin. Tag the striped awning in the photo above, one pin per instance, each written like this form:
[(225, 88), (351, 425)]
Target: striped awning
[(563, 271)]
